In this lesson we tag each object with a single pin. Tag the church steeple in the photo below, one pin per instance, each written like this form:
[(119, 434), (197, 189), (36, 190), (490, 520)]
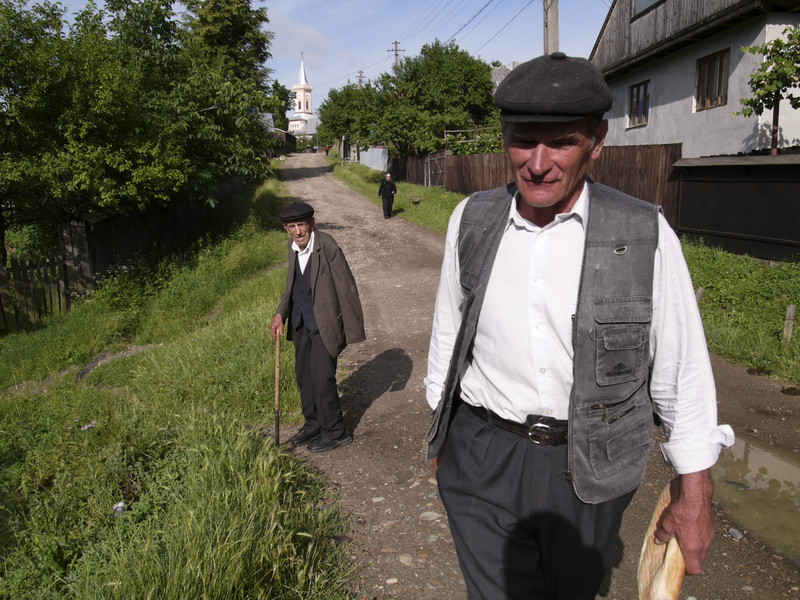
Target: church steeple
[(303, 109), (302, 80)]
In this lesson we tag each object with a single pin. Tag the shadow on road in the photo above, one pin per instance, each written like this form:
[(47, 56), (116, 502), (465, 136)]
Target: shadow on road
[(387, 372), (289, 174)]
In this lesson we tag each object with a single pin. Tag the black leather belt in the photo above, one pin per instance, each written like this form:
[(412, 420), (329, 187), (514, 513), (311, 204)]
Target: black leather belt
[(546, 431)]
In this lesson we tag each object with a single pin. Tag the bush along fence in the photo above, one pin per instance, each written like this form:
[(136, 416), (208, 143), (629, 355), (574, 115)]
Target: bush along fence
[(30, 291)]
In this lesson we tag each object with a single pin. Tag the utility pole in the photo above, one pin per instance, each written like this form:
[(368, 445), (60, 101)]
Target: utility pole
[(361, 79), (550, 26), (396, 51)]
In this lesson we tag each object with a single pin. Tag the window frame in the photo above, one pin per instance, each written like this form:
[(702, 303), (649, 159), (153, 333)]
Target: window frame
[(638, 111), (712, 73)]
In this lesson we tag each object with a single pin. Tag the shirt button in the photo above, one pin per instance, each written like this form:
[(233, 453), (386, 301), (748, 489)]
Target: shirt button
[(542, 371), (549, 412)]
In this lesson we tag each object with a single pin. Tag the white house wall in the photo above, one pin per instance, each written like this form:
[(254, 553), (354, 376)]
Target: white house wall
[(672, 115)]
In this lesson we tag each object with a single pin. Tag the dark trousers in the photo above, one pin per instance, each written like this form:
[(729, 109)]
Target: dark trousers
[(315, 369), (519, 529), (388, 201)]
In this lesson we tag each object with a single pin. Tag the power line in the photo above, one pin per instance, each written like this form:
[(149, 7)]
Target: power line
[(409, 30), (471, 19), (432, 24), (486, 16), (504, 26)]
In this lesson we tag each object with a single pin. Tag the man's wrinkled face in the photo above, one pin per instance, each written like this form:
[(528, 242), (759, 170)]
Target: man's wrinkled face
[(549, 160), (300, 231)]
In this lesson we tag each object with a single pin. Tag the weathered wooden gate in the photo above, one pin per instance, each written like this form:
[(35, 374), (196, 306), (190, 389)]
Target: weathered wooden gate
[(435, 170)]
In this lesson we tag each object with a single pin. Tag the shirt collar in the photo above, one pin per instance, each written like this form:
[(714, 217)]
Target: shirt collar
[(309, 247), (578, 212)]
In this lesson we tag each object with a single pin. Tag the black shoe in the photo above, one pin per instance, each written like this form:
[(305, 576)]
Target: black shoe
[(324, 444), (302, 438)]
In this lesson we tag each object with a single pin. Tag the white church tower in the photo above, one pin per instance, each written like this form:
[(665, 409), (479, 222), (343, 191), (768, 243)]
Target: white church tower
[(303, 108)]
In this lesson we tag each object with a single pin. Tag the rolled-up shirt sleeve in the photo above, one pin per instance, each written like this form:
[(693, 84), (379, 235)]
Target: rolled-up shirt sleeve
[(447, 313), (682, 382)]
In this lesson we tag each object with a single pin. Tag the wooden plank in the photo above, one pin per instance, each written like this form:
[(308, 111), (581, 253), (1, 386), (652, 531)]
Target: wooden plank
[(19, 277), (7, 300), (788, 325)]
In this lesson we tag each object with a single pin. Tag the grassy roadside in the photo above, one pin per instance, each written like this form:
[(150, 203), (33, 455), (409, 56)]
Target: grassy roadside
[(743, 307), (150, 477)]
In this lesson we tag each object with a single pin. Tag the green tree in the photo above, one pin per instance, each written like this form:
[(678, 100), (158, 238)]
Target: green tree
[(775, 76), (410, 109), (443, 88), (348, 113), (281, 99), (229, 34), (127, 109), (30, 91)]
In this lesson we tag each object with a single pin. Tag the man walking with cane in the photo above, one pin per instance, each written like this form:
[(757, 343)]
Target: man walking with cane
[(322, 306)]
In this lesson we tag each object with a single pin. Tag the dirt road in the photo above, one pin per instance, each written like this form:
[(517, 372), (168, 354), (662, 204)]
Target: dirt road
[(400, 541)]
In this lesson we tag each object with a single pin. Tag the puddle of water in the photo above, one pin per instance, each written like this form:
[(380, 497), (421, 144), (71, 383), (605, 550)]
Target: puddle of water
[(759, 486)]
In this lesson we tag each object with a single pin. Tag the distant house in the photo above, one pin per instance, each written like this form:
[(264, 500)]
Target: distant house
[(677, 72)]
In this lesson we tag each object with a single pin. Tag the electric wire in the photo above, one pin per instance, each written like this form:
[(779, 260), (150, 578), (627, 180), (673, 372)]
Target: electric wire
[(471, 19), (503, 27)]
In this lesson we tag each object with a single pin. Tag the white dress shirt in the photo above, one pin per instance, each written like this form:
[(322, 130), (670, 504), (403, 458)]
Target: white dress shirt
[(522, 355), (304, 255)]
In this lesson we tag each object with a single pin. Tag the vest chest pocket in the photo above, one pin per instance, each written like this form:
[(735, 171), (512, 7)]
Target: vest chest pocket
[(622, 327)]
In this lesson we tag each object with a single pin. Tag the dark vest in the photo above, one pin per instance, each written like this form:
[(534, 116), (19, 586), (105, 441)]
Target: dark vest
[(609, 413), (302, 299)]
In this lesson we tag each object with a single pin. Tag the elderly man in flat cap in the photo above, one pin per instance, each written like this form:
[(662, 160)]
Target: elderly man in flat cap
[(564, 314), (324, 313)]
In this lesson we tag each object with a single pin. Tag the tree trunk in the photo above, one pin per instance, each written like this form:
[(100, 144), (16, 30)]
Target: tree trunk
[(773, 150)]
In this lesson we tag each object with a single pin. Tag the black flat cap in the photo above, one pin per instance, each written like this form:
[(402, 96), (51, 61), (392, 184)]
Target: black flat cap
[(296, 211), (554, 87)]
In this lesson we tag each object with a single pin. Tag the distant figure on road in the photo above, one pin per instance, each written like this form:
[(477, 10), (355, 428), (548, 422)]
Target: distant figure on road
[(565, 314), (323, 308), (387, 192)]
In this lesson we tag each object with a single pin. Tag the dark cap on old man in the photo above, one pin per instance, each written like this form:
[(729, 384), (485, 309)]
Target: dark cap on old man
[(554, 87), (296, 211)]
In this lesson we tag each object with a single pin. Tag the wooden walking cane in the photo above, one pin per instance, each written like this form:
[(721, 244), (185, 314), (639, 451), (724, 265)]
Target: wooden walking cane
[(661, 566), (277, 390)]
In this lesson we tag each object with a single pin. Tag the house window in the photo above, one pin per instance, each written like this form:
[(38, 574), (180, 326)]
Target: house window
[(712, 80), (640, 6), (638, 104)]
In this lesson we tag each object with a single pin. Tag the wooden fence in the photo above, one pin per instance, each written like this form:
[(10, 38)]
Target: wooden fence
[(30, 291), (642, 171), (88, 248)]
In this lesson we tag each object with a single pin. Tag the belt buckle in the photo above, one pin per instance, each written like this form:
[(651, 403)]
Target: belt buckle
[(539, 430)]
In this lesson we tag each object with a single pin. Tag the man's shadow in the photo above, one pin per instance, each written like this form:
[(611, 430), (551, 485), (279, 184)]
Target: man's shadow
[(585, 561), (387, 372)]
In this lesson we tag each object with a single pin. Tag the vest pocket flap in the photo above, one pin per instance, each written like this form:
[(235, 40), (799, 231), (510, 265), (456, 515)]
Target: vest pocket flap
[(623, 338), (623, 310), (631, 439)]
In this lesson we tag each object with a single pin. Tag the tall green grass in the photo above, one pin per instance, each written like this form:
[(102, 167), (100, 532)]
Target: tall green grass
[(744, 306), (172, 435)]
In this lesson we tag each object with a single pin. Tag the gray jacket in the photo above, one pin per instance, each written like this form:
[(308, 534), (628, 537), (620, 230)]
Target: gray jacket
[(337, 307), (610, 411)]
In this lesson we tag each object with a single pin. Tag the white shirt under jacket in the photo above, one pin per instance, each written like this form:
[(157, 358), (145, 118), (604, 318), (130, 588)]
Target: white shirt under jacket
[(522, 356), (304, 255)]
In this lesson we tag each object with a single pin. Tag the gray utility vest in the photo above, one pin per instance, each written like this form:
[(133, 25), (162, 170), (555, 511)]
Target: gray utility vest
[(610, 415)]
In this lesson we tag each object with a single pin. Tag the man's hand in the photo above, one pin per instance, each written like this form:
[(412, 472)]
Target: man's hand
[(276, 327), (689, 518)]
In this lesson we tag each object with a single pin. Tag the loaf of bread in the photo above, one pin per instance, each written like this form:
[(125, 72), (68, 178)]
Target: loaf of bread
[(661, 566)]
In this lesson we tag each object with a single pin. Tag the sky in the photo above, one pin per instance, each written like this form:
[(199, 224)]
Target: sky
[(341, 39)]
